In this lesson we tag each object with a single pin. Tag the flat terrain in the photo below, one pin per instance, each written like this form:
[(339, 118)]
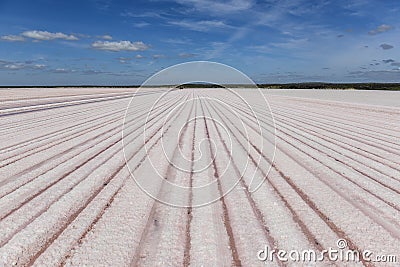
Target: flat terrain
[(370, 97), (68, 196)]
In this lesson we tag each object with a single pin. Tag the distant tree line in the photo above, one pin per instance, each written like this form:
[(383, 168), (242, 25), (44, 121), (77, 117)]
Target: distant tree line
[(309, 85), (317, 85)]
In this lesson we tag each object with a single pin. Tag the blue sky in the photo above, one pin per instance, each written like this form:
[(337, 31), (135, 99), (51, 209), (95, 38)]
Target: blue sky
[(118, 42)]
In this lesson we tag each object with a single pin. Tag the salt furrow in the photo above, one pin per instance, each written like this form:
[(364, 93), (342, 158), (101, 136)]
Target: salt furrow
[(68, 198)]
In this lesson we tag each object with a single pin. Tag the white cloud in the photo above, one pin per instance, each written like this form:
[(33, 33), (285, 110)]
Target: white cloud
[(143, 15), (15, 66), (45, 35), (106, 37), (120, 46), (380, 29), (186, 55), (178, 41), (123, 60), (261, 48), (139, 56), (8, 65), (201, 26), (158, 56), (292, 43), (102, 5), (377, 75), (13, 38), (94, 72), (141, 24), (60, 70), (219, 6)]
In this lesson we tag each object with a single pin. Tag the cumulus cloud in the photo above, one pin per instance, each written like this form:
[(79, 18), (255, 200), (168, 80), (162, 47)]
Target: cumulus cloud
[(17, 65), (106, 37), (94, 72), (201, 26), (158, 56), (386, 46), (123, 60), (139, 56), (120, 46), (45, 35), (143, 15), (219, 6), (102, 5), (378, 75), (186, 55), (61, 70), (13, 38), (387, 61), (380, 29), (14, 66), (178, 41), (141, 24)]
